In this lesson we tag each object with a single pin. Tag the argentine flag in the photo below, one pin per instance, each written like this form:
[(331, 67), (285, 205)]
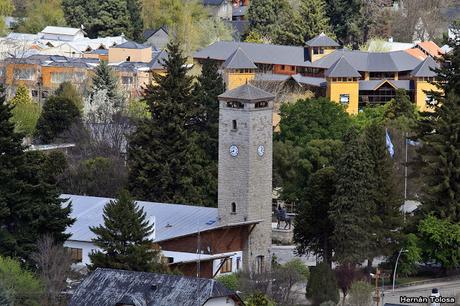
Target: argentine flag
[(390, 146)]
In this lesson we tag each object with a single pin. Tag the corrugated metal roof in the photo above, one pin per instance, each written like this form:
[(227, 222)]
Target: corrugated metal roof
[(322, 40), (239, 60), (425, 68), (342, 69), (109, 287), (247, 92), (172, 220)]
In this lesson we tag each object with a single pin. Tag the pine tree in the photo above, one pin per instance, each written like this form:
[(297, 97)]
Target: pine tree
[(58, 115), (267, 16), (134, 9), (353, 207), (164, 159), (67, 90), (22, 96), (104, 79), (387, 215), (313, 18), (30, 206), (439, 154), (124, 239), (345, 16)]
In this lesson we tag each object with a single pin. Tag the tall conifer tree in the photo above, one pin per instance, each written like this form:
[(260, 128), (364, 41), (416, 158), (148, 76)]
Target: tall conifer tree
[(164, 159), (125, 238), (30, 206), (313, 19), (439, 132), (353, 207)]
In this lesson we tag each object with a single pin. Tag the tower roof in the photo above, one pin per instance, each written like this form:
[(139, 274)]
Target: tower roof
[(424, 69), (130, 45), (248, 93), (322, 40), (342, 69), (239, 60)]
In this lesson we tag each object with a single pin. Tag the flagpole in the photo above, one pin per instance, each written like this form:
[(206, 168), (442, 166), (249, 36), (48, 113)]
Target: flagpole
[(405, 179)]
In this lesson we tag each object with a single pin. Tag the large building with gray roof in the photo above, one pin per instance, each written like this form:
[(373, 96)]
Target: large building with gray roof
[(345, 76)]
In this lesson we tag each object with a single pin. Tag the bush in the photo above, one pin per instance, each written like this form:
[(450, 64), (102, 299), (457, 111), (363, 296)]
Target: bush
[(322, 285), (21, 287), (230, 281), (258, 299), (58, 115), (360, 294), (25, 117)]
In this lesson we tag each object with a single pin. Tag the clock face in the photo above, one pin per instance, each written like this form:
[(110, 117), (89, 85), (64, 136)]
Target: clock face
[(233, 150), (261, 150)]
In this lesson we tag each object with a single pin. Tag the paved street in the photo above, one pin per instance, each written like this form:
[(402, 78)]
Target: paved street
[(447, 289)]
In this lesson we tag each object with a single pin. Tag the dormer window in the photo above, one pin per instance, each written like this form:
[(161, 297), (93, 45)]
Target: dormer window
[(235, 104), (261, 104)]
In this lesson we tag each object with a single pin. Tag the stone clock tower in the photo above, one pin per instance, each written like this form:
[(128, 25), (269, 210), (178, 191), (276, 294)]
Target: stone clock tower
[(245, 169)]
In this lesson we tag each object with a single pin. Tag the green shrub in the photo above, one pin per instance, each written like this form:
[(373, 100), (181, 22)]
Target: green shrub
[(360, 294), (230, 281), (258, 299), (322, 285)]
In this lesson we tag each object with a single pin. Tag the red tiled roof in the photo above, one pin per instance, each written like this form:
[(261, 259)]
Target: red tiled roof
[(431, 48), (417, 53)]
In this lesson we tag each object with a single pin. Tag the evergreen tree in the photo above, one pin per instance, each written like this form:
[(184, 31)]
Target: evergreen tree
[(439, 154), (164, 159), (58, 115), (322, 285), (102, 18), (67, 90), (30, 206), (400, 106), (125, 238), (313, 18), (345, 16), (135, 9), (104, 79), (267, 16), (353, 207), (387, 217), (22, 96)]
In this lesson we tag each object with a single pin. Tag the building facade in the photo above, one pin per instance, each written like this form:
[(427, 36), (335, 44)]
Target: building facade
[(353, 78)]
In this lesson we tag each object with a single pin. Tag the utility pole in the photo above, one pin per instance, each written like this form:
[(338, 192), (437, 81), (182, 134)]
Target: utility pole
[(405, 177)]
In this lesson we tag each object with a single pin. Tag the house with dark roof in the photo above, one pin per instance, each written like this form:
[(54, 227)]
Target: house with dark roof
[(157, 38), (353, 78), (108, 287), (219, 8)]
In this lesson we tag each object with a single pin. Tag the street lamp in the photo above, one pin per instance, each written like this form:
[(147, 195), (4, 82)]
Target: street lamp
[(396, 266)]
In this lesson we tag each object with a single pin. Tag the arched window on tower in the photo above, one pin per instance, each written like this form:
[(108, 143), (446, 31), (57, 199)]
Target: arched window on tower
[(233, 208)]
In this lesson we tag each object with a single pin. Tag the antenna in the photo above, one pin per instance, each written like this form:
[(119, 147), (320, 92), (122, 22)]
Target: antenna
[(198, 264)]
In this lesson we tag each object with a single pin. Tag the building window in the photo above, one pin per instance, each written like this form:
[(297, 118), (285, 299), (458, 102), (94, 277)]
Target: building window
[(233, 208), (34, 93), (292, 68), (167, 260), (430, 100), (44, 94), (76, 254), (24, 74), (283, 67), (128, 59), (60, 77), (260, 264), (235, 104), (238, 263), (261, 104), (127, 80), (226, 265), (344, 99), (234, 124)]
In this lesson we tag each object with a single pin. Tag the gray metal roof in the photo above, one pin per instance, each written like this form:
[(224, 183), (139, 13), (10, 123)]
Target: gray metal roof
[(322, 40), (212, 2), (311, 81), (248, 93), (371, 61), (375, 84), (158, 60), (149, 32), (271, 77), (172, 220), (341, 69), (259, 53), (130, 45), (109, 287), (239, 60), (425, 68)]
